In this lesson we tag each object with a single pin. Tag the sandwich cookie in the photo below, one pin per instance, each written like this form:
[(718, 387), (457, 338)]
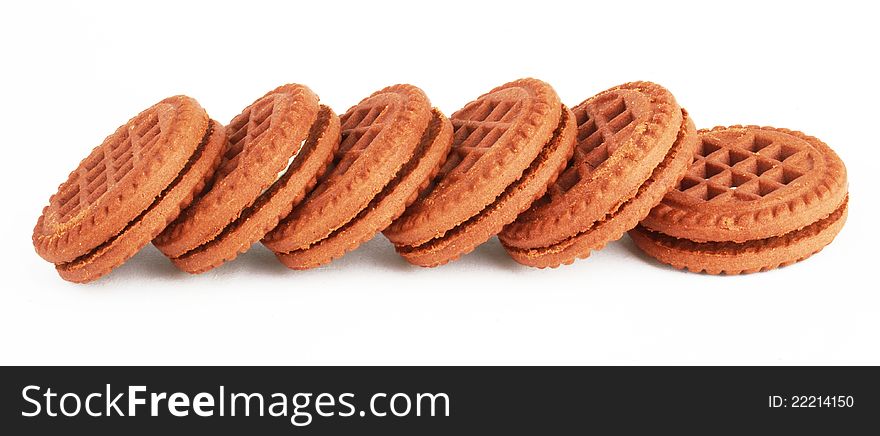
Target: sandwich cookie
[(393, 143), (754, 199), (128, 189), (508, 146), (634, 144), (278, 147)]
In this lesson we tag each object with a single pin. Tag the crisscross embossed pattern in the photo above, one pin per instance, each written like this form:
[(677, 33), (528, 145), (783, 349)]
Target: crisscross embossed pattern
[(602, 127), (744, 167), (244, 129), (105, 168), (360, 128), (476, 129)]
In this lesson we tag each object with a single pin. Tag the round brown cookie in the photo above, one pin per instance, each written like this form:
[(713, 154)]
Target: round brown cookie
[(625, 217), (754, 198), (264, 140), (385, 207), (750, 182), (516, 198), (496, 137), (623, 135), (152, 221), (744, 257), (380, 135), (259, 218), (120, 179), (518, 129)]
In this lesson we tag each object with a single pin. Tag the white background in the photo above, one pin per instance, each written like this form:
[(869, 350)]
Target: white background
[(71, 73)]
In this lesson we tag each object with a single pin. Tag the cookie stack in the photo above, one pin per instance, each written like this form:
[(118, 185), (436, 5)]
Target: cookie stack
[(552, 183)]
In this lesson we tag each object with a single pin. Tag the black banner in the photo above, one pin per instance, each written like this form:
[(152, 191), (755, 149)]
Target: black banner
[(440, 400)]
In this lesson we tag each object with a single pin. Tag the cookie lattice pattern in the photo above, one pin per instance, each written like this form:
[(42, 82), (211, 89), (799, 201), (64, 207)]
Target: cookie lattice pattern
[(244, 129), (478, 127), (359, 129), (748, 167), (108, 165), (602, 126)]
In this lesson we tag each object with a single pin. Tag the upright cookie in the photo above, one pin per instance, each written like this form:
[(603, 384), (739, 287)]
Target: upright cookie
[(393, 142), (755, 198), (278, 147), (128, 189), (508, 145), (633, 144)]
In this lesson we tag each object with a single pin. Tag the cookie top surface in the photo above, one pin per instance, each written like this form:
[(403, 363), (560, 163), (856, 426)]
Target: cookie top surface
[(120, 179), (623, 134), (379, 135), (496, 137), (262, 140), (140, 231), (749, 182)]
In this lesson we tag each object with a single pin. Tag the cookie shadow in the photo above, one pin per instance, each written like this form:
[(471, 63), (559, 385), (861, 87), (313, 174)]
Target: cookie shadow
[(492, 254), (148, 264), (380, 253), (634, 252), (259, 259), (377, 252)]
